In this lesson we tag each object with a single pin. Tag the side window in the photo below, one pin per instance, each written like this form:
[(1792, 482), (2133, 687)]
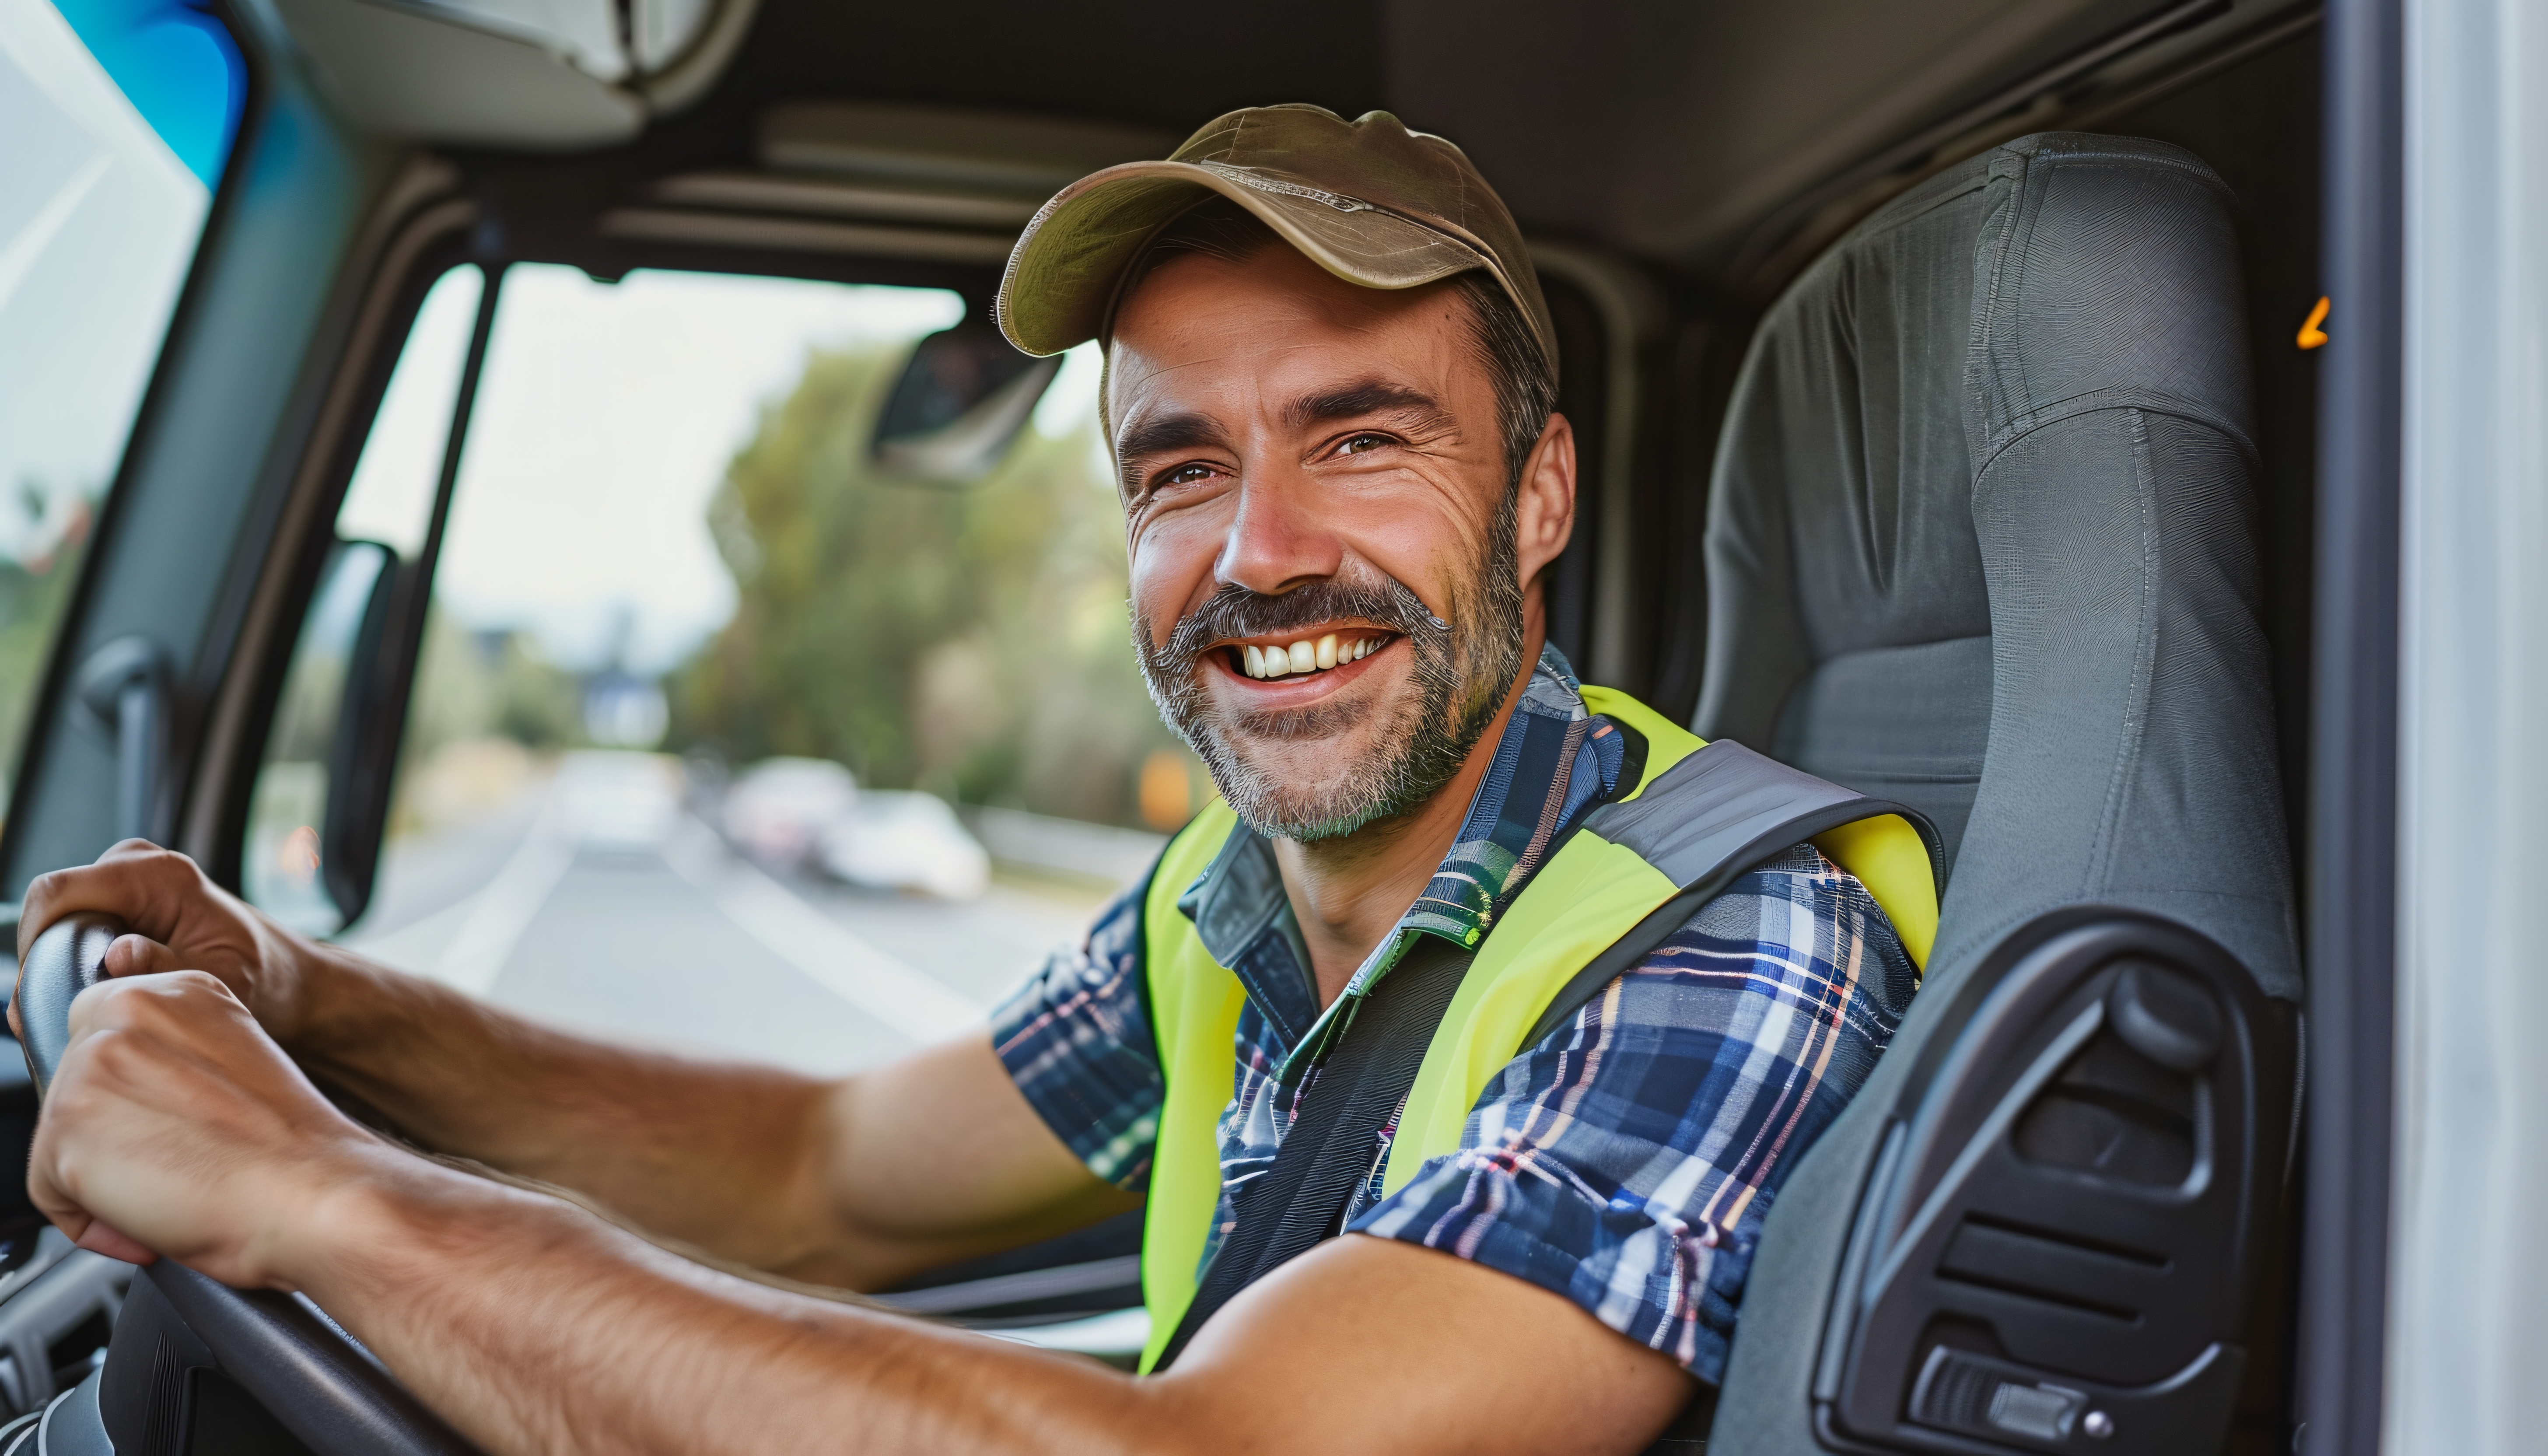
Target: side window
[(118, 120), (377, 549), (775, 693)]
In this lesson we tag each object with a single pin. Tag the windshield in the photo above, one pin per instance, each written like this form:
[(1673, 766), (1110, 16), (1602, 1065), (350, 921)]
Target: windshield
[(117, 119)]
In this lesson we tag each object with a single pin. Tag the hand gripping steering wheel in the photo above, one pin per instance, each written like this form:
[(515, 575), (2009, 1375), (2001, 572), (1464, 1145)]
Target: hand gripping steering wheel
[(313, 1378)]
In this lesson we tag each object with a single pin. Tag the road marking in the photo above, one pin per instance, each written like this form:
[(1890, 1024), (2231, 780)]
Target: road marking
[(500, 913), (840, 959), (416, 946)]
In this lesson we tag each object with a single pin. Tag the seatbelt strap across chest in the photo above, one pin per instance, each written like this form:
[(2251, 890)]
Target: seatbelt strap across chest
[(1327, 1153)]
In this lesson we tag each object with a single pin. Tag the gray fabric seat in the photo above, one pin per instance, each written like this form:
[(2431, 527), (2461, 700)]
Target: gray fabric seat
[(1981, 540)]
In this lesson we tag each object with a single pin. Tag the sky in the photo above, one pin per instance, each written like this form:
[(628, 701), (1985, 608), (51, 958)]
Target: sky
[(98, 222), (605, 420)]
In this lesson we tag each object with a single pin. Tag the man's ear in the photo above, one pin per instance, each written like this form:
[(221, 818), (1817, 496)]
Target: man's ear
[(1544, 504)]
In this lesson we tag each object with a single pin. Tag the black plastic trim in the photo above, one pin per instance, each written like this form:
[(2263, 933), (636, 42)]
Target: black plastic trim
[(371, 733), (2106, 1295), (2350, 868)]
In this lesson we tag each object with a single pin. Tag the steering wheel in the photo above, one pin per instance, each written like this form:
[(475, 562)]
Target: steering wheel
[(315, 1381)]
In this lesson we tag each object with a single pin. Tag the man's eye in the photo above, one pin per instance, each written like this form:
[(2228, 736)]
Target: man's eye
[(1187, 474), (1364, 444)]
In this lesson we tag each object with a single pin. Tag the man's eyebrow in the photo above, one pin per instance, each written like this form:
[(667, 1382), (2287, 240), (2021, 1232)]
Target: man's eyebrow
[(1168, 432), (1366, 398)]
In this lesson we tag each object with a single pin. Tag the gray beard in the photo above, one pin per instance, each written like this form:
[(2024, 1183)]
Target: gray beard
[(1463, 669)]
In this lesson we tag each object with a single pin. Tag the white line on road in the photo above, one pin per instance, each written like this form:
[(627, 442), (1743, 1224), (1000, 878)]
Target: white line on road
[(500, 913), (843, 961)]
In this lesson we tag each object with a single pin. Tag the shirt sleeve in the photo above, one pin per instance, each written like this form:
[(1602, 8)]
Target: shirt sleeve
[(1627, 1161), (1076, 1038)]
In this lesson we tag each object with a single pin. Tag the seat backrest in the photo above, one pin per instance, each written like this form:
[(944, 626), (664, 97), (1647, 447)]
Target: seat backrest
[(1981, 540)]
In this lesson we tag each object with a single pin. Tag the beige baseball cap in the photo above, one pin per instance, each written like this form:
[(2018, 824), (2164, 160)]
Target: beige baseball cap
[(1367, 200)]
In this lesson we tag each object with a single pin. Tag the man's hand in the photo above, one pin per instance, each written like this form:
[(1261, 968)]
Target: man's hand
[(176, 1127), (179, 920)]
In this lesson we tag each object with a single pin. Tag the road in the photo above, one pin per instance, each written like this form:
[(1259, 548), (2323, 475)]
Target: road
[(596, 901)]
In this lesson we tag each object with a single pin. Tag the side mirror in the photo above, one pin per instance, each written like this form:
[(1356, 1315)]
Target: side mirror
[(362, 758), (960, 401), (323, 796)]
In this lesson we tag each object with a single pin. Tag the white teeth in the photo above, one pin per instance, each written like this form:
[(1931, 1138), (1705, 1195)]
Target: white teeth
[(1329, 650)]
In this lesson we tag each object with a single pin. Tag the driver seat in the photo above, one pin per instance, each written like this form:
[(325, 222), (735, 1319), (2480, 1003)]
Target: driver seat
[(1981, 540)]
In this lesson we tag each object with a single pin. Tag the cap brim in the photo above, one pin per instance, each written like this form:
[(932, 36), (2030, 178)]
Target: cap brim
[(1063, 275)]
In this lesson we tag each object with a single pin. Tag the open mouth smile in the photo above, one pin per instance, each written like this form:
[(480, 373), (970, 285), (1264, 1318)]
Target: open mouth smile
[(1317, 654)]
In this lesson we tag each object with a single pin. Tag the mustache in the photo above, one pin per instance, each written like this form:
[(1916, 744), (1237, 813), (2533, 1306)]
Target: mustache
[(1235, 611)]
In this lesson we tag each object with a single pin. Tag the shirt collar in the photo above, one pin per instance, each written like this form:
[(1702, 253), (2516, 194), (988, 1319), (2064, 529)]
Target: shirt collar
[(1555, 761)]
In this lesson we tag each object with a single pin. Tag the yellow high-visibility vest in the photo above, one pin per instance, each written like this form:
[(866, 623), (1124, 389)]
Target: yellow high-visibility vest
[(1683, 824)]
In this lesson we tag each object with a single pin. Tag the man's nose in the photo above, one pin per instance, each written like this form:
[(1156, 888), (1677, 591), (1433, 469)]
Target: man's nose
[(1280, 538)]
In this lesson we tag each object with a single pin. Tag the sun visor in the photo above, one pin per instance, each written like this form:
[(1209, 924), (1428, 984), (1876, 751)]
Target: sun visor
[(549, 74)]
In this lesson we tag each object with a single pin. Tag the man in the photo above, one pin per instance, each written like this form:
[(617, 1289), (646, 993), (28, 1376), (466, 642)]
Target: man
[(1330, 386)]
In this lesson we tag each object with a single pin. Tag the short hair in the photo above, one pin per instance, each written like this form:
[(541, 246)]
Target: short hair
[(1525, 384)]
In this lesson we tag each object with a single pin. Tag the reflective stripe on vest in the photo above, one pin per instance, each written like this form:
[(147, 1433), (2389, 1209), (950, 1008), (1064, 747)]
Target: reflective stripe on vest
[(1595, 889)]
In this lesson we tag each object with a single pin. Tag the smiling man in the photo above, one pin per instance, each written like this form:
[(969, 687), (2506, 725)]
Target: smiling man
[(1456, 1053)]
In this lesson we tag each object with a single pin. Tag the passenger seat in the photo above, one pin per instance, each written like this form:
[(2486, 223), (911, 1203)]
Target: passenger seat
[(1981, 540)]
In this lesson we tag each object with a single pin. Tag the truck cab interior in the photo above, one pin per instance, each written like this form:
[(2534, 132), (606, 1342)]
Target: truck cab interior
[(1952, 426)]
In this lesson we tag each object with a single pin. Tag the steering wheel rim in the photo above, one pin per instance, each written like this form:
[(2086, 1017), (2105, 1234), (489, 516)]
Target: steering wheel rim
[(304, 1370)]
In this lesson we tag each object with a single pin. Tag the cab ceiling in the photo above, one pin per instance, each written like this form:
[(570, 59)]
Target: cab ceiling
[(1700, 136)]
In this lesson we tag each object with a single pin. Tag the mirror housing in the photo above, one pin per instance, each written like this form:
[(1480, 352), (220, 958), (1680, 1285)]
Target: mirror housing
[(962, 400), (362, 756)]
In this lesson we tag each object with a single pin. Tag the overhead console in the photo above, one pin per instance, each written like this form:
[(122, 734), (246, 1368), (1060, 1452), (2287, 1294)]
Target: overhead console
[(554, 75)]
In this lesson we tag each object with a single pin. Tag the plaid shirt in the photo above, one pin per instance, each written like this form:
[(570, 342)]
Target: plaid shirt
[(1626, 1162)]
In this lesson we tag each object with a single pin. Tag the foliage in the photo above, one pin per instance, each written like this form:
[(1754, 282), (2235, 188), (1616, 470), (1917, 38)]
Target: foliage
[(33, 596), (970, 640), (475, 685)]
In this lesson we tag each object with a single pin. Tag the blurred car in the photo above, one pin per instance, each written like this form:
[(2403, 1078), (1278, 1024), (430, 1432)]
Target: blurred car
[(904, 840), (617, 800), (790, 814), (778, 810)]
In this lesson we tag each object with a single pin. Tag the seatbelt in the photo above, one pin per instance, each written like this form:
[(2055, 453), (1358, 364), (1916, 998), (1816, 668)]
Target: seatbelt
[(1301, 1201), (1328, 1154), (1630, 948)]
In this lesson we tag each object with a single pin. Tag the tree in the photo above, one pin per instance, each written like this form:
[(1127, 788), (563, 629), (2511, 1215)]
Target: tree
[(968, 639)]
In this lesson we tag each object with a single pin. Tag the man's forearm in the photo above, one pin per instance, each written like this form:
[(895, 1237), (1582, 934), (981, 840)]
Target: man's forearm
[(713, 1153), (548, 1332), (854, 1184), (542, 1329)]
